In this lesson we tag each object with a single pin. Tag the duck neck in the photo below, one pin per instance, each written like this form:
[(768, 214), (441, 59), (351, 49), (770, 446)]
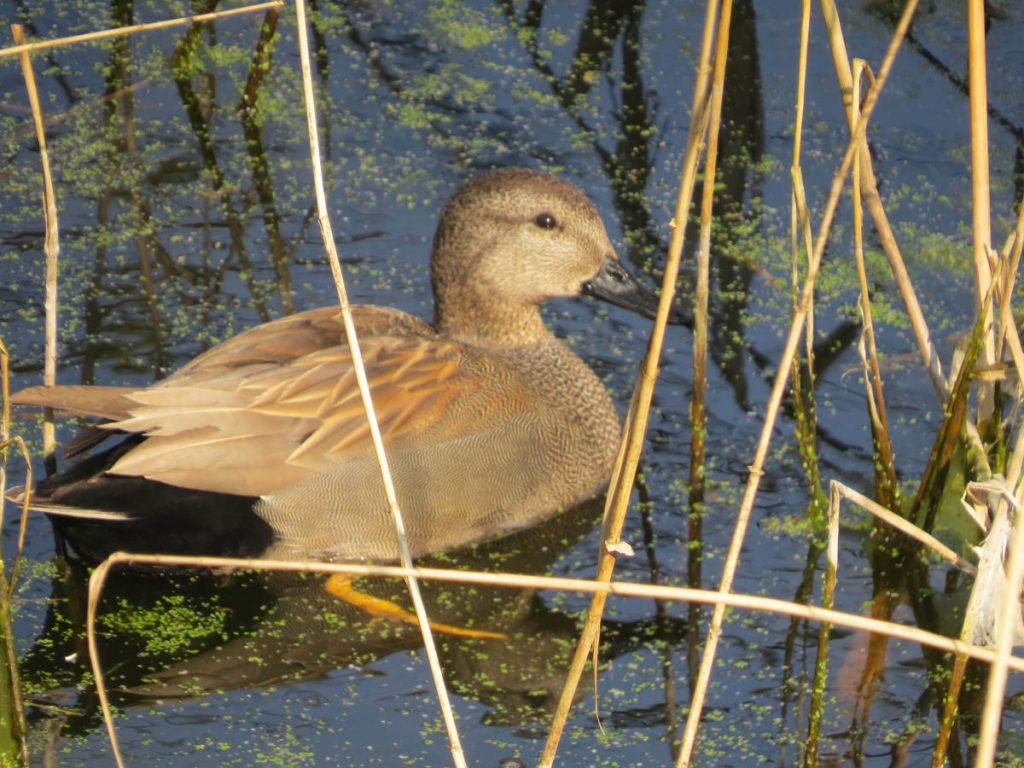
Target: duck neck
[(483, 321)]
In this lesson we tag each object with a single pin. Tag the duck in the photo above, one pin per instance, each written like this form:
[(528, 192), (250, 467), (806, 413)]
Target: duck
[(259, 447)]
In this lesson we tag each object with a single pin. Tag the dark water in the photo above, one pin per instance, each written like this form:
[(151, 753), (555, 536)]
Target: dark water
[(186, 216)]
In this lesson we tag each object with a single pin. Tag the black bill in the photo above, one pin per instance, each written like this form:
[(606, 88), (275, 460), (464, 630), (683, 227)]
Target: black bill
[(616, 286)]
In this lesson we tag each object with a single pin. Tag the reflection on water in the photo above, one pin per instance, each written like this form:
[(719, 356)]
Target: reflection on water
[(186, 216), (188, 636)]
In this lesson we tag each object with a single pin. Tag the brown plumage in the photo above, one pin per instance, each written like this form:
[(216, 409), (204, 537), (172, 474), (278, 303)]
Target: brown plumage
[(490, 422)]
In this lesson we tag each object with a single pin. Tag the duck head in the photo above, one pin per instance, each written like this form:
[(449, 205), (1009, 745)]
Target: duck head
[(513, 238)]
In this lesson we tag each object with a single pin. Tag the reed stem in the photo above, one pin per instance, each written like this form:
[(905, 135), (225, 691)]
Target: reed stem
[(104, 34), (628, 457), (51, 249), (854, 621), (327, 232), (778, 388)]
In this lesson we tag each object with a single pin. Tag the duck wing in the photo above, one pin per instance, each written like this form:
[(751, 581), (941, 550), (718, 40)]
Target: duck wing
[(279, 404), (268, 345)]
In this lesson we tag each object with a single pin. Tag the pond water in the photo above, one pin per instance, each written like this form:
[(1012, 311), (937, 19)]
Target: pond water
[(186, 216)]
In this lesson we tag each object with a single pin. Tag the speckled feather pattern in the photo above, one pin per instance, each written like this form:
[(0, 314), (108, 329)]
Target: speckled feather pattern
[(490, 422)]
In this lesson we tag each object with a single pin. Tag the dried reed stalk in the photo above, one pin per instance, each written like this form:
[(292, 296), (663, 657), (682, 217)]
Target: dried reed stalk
[(698, 397), (717, 91), (89, 37), (886, 485), (1009, 262), (701, 297), (799, 218), (992, 711), (778, 388), (980, 199), (636, 421), (627, 460), (559, 584), (804, 410), (698, 418), (51, 249), (869, 186), (903, 526), (327, 232)]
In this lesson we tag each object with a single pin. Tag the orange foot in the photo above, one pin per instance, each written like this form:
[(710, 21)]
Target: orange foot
[(342, 588)]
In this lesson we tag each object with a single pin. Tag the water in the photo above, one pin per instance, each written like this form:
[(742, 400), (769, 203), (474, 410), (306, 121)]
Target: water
[(158, 172)]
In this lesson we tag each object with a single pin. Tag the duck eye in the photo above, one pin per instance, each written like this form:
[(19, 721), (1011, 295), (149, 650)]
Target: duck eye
[(545, 221)]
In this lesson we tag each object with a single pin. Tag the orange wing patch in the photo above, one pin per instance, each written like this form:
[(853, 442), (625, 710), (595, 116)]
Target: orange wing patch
[(287, 422)]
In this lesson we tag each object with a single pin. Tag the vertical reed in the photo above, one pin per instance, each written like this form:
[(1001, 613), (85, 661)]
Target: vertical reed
[(13, 728), (879, 218), (634, 432), (817, 706), (980, 200), (804, 409), (327, 232), (781, 377), (51, 248)]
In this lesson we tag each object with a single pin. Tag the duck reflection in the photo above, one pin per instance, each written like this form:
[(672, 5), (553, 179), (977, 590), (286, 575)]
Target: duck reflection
[(169, 635)]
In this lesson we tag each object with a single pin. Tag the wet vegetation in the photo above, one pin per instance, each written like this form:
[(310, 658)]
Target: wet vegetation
[(182, 179)]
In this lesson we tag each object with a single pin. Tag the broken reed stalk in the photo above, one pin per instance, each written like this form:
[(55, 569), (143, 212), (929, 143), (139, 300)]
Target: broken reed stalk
[(873, 201), (51, 249), (902, 525), (1010, 261), (993, 707), (778, 387), (628, 458), (1008, 335), (799, 218), (992, 711), (88, 37), (327, 232), (886, 485)]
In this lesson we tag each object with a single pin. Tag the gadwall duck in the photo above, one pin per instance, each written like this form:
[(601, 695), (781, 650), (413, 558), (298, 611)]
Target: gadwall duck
[(259, 446)]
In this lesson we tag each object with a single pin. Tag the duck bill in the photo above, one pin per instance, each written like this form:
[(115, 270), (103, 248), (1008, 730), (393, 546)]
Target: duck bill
[(616, 286)]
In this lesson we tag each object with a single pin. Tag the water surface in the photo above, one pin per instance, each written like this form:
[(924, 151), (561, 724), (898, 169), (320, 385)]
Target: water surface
[(186, 215)]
